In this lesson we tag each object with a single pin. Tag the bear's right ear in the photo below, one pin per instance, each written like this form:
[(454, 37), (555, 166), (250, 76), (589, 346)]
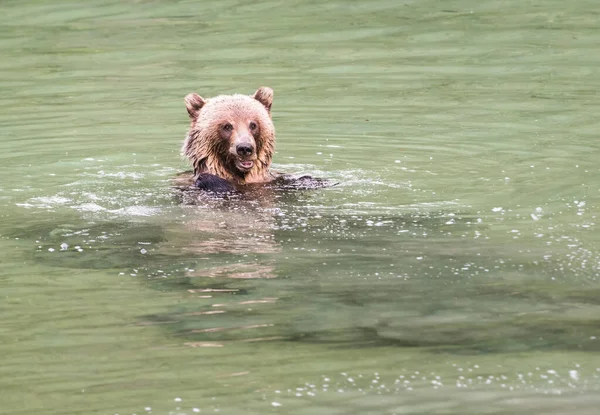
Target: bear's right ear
[(193, 103), (264, 95)]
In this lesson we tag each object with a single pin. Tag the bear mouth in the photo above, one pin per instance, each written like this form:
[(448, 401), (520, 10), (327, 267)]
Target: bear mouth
[(244, 165)]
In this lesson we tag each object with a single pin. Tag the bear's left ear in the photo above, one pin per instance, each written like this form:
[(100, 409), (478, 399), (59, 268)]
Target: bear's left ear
[(264, 95), (193, 103)]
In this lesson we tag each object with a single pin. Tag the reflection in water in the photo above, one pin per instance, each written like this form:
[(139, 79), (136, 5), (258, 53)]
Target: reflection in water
[(276, 270), (416, 287)]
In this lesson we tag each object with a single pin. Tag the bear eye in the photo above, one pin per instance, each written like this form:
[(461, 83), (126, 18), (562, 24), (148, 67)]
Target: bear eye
[(228, 127), (253, 125)]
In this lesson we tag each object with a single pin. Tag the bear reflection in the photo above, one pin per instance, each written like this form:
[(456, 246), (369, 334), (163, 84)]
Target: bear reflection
[(236, 229)]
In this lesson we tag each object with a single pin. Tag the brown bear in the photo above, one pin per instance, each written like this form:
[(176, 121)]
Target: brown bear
[(231, 141), (231, 137)]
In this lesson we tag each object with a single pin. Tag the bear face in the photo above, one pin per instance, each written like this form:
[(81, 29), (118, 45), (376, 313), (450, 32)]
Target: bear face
[(231, 136)]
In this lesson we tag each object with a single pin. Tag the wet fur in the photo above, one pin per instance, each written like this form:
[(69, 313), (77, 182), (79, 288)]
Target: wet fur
[(209, 153)]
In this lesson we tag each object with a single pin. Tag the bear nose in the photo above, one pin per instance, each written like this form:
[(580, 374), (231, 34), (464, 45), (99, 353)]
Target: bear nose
[(243, 149)]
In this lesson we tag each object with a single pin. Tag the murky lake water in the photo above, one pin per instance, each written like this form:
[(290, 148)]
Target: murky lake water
[(454, 270)]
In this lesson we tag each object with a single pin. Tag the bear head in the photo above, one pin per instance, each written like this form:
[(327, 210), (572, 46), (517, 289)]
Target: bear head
[(231, 136)]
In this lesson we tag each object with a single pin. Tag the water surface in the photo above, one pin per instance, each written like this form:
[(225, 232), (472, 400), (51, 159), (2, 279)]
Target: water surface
[(454, 269)]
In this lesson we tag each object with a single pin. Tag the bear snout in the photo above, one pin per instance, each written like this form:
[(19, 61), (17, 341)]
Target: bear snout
[(242, 146), (244, 150)]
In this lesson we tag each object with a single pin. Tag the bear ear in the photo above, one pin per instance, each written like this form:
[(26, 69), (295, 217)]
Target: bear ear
[(193, 103), (264, 95)]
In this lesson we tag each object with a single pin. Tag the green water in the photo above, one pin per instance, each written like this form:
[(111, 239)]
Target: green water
[(454, 270)]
